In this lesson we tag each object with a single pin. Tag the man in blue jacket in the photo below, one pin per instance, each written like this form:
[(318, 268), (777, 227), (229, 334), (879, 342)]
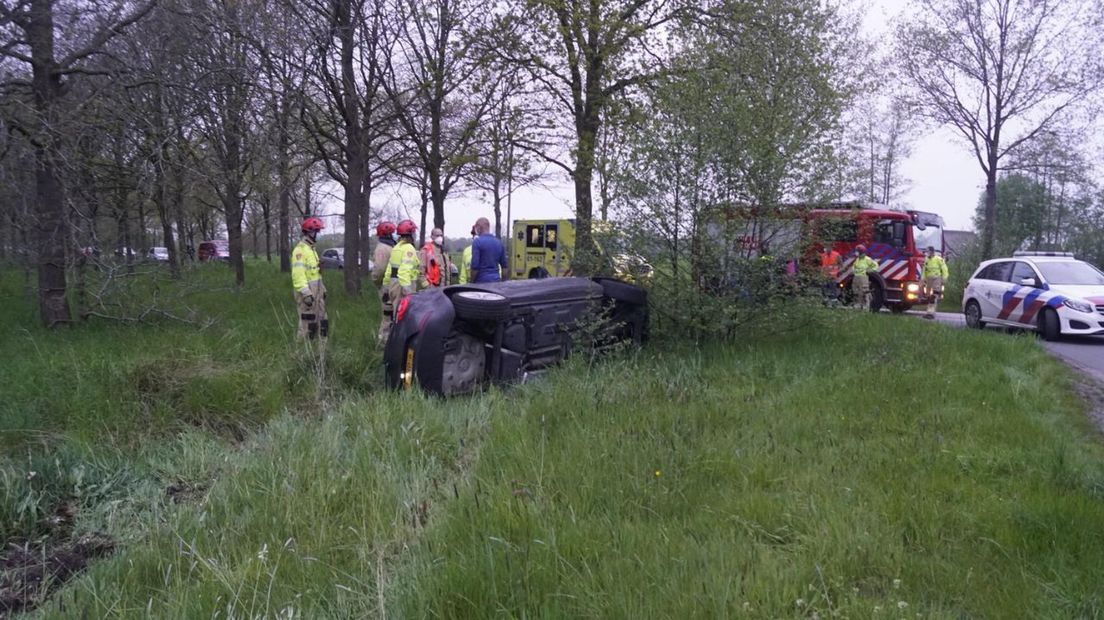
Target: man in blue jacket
[(488, 255)]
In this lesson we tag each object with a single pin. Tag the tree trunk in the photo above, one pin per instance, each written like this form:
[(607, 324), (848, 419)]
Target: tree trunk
[(283, 239), (989, 231), (585, 260), (232, 205), (365, 231), (357, 162)]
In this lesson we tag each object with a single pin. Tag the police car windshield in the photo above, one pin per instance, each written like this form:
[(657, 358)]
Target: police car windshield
[(1071, 272), (930, 237)]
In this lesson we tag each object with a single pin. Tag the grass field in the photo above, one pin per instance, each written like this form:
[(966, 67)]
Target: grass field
[(869, 466)]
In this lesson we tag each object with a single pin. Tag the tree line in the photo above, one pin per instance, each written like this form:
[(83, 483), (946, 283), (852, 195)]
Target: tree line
[(165, 122)]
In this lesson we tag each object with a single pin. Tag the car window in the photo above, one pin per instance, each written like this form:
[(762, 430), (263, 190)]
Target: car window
[(998, 272), (1022, 270), (1071, 272)]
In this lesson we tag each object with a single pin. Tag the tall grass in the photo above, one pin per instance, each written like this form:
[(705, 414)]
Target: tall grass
[(868, 465)]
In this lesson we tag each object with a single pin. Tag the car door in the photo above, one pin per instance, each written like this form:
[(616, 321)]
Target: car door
[(1026, 287), (993, 284)]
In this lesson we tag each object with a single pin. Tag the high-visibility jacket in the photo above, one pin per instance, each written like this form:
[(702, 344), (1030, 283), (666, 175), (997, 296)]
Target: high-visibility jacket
[(435, 265), (404, 263), (830, 264), (863, 265), (304, 265), (465, 265), (936, 267)]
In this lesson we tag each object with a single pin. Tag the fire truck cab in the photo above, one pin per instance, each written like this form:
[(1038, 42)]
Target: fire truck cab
[(897, 240)]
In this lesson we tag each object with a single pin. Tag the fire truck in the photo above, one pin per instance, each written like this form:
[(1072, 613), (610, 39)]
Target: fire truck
[(897, 240)]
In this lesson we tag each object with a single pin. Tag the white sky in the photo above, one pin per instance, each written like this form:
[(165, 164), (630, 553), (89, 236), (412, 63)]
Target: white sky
[(942, 173)]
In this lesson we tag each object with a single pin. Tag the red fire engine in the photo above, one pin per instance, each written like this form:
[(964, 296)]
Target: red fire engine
[(897, 240)]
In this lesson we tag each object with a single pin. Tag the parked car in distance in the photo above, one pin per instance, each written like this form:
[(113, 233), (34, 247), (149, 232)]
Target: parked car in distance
[(334, 258), (455, 340), (1051, 292), (158, 254), (215, 249)]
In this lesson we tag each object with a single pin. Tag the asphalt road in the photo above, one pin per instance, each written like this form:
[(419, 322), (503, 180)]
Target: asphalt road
[(1086, 353)]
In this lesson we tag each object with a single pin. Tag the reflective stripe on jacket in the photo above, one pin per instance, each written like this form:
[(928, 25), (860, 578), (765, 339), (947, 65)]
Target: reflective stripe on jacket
[(304, 265), (465, 265), (864, 265), (936, 267), (404, 264)]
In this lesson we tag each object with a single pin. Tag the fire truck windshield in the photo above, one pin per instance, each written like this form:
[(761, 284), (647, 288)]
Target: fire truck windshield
[(930, 236)]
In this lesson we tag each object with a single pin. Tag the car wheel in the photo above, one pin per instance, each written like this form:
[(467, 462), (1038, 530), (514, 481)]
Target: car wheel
[(480, 306), (973, 315), (1049, 325), (620, 291)]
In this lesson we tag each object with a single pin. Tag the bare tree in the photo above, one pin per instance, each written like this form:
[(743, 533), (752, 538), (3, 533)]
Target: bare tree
[(1000, 72), (348, 113), (443, 88), (30, 36), (585, 55)]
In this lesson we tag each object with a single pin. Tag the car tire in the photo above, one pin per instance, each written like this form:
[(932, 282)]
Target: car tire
[(1049, 325), (480, 305), (973, 315), (620, 291)]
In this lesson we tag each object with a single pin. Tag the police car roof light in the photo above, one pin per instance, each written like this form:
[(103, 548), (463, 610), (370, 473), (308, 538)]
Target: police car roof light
[(1024, 253)]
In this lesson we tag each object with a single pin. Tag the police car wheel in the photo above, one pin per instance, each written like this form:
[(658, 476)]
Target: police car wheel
[(1049, 326), (480, 305), (973, 315)]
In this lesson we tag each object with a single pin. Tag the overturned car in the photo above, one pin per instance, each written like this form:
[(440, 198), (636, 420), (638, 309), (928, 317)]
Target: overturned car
[(453, 341)]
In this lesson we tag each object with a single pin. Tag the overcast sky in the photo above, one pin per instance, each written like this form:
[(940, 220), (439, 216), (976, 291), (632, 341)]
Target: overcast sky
[(943, 175)]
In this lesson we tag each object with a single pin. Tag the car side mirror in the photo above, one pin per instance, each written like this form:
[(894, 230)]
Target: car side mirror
[(1028, 282)]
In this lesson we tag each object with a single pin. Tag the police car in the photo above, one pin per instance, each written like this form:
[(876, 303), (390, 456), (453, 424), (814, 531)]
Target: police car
[(1051, 292)]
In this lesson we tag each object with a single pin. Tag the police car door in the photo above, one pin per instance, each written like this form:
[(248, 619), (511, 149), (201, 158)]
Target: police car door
[(994, 283), (1026, 288)]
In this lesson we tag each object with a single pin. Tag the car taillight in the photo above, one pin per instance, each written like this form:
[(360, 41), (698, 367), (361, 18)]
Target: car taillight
[(404, 305)]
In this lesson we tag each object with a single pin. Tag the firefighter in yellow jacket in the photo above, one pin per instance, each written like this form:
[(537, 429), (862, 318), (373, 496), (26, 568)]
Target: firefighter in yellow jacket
[(403, 270), (386, 239), (935, 276), (306, 280), (465, 261), (860, 280)]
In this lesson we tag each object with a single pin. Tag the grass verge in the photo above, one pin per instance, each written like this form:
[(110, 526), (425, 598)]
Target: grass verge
[(875, 466)]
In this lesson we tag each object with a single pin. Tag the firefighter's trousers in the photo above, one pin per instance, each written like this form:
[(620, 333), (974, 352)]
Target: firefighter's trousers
[(860, 287), (933, 287), (313, 321)]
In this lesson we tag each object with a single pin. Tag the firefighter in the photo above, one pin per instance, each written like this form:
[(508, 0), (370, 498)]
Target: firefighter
[(385, 233), (935, 277), (860, 282), (465, 260), (830, 261), (403, 267), (436, 266), (306, 279)]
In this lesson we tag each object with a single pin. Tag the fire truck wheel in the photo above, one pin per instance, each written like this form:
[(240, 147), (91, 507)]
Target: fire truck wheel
[(973, 315), (480, 306), (899, 308), (877, 297), (1049, 326)]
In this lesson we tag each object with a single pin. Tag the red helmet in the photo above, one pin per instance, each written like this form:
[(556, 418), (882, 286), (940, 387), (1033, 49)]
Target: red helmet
[(407, 227), (385, 228), (312, 224), (861, 249)]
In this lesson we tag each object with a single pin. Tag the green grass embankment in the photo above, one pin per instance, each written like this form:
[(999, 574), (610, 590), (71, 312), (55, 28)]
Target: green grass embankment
[(876, 465)]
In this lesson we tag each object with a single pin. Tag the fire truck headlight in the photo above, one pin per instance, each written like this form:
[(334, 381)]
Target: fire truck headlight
[(912, 287)]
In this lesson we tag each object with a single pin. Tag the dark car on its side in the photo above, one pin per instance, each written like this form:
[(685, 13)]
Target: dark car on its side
[(455, 340)]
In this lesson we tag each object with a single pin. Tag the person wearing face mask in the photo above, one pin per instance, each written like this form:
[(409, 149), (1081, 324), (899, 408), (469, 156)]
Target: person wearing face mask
[(436, 267)]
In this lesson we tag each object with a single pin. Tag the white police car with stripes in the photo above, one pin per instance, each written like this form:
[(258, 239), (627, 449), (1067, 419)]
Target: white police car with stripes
[(1051, 292)]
